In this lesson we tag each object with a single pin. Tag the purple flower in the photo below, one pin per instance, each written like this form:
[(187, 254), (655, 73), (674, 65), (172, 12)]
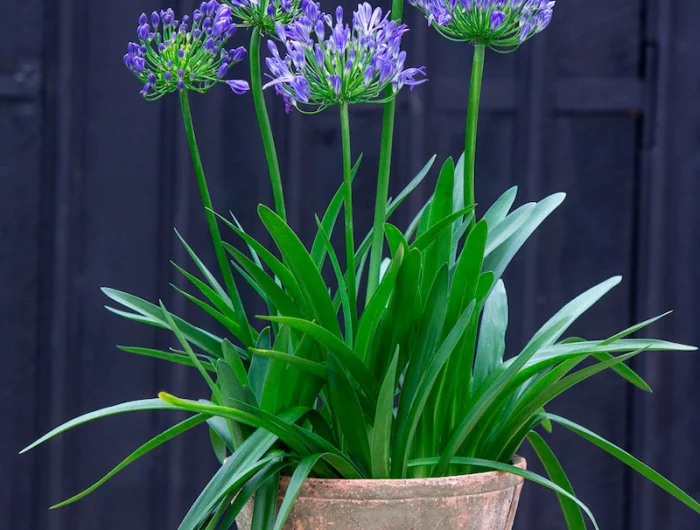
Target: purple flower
[(497, 18), (500, 24), (265, 15), (352, 64), (238, 86), (184, 55)]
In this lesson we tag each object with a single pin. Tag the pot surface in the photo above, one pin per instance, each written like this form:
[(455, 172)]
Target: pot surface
[(482, 501)]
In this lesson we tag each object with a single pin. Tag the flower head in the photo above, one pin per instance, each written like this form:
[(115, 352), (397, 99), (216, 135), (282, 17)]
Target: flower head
[(263, 15), (327, 62), (500, 24), (184, 55)]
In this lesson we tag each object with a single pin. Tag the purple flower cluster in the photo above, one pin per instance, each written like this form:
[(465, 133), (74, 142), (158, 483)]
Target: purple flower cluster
[(264, 15), (328, 62), (499, 24), (189, 54)]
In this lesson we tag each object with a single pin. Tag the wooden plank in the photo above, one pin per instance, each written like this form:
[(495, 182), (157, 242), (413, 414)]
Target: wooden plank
[(20, 261), (665, 423)]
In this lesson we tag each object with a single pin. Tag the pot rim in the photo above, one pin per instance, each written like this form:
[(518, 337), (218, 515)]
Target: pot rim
[(387, 489)]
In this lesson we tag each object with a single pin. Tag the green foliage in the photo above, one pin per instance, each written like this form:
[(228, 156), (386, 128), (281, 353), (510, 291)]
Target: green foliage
[(424, 385)]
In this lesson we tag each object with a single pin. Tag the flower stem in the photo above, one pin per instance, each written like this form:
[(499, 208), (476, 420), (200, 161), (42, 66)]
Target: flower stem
[(375, 260), (380, 203), (264, 123), (472, 123), (349, 231), (231, 288)]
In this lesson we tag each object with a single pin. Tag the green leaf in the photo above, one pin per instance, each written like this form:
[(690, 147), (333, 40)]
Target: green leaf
[(318, 251), (466, 275), (145, 448), (492, 339), (395, 203), (498, 466), (243, 464), (167, 356), (436, 234), (347, 357), (225, 321), (222, 304), (485, 396), (629, 460), (131, 406), (499, 259), (380, 443), (234, 362), (313, 368), (509, 226), (574, 309), (499, 210), (268, 258), (406, 428), (244, 413), (347, 411), (216, 391), (571, 510), (281, 300), (153, 315), (248, 490), (371, 316), (303, 268), (342, 286), (295, 483), (207, 274), (266, 504)]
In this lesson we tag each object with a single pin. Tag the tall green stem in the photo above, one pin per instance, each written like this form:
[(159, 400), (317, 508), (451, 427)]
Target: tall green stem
[(472, 123), (375, 260), (213, 226), (380, 203), (264, 123), (349, 231)]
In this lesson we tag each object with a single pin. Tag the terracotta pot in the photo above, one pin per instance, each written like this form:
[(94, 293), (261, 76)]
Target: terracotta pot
[(483, 501)]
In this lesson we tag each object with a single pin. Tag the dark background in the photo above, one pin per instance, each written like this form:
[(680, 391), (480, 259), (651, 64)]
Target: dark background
[(603, 105)]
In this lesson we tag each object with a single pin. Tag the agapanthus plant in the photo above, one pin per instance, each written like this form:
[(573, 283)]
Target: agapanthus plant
[(263, 15), (332, 63), (173, 55), (415, 383), (499, 24)]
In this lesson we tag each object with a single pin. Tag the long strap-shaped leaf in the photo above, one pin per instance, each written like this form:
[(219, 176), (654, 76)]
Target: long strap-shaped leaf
[(303, 268), (347, 356), (228, 476), (498, 466), (248, 490), (151, 314), (406, 428), (571, 510), (163, 437), (318, 249), (574, 309), (483, 399), (626, 458), (295, 483), (131, 406), (347, 412)]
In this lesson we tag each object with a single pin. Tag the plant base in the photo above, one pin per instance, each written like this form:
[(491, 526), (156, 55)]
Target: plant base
[(483, 501)]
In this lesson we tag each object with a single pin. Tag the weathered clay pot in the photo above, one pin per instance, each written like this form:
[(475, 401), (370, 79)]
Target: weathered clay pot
[(483, 501)]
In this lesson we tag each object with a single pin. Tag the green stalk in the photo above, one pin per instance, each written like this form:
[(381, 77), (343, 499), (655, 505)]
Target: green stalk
[(349, 231), (380, 203), (264, 123), (472, 123), (375, 260), (211, 221)]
